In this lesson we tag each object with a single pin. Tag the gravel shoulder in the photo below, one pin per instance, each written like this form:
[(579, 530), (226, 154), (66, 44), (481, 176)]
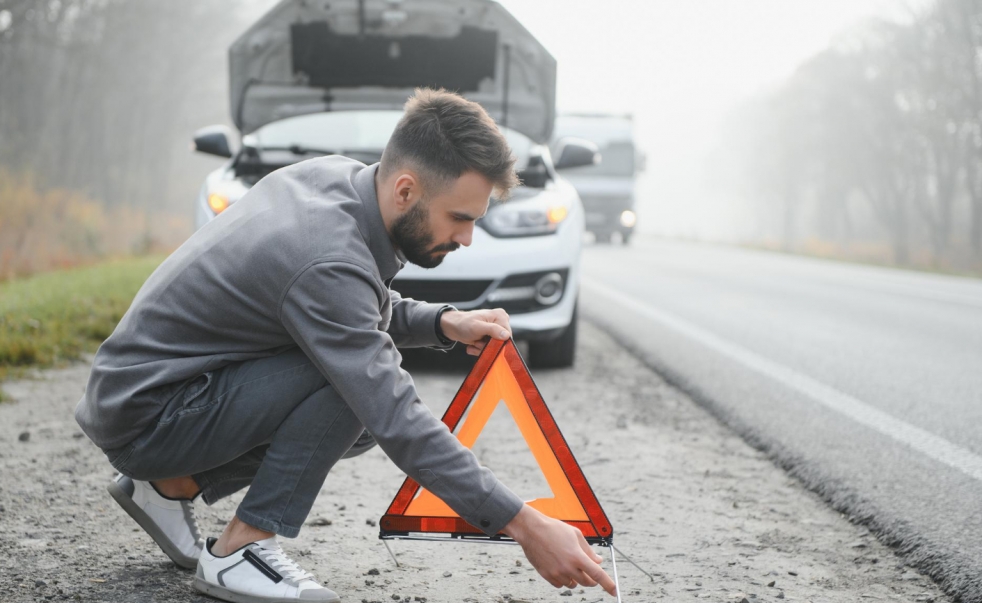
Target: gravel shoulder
[(707, 515)]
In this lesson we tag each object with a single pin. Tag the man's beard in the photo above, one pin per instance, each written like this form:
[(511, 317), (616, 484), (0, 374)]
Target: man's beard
[(414, 239)]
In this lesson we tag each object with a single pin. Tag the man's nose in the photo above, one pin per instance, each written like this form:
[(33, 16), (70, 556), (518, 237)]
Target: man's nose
[(465, 236)]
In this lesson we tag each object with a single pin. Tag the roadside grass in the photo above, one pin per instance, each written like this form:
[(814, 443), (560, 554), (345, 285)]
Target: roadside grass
[(54, 317)]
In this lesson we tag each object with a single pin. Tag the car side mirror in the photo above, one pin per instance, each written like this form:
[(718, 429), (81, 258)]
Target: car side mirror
[(213, 140), (576, 152)]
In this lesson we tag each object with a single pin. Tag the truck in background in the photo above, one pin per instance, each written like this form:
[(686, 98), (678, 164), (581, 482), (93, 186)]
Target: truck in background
[(607, 188)]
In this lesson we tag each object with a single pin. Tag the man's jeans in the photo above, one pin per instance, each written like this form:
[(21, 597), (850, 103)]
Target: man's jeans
[(273, 423)]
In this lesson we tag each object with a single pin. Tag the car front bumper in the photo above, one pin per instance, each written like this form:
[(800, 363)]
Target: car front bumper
[(488, 263)]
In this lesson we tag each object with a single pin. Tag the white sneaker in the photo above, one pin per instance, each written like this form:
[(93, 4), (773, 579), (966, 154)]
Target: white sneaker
[(259, 572), (170, 522)]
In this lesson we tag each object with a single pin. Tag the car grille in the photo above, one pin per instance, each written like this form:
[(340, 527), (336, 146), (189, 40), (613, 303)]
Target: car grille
[(440, 291)]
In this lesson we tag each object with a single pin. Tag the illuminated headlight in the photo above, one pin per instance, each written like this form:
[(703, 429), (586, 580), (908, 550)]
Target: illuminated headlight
[(223, 194), (524, 218), (628, 219), (217, 202)]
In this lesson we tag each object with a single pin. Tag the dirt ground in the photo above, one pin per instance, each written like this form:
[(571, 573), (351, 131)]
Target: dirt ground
[(708, 516)]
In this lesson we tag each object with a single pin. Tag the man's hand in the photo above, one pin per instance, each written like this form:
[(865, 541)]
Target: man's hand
[(558, 551), (475, 328)]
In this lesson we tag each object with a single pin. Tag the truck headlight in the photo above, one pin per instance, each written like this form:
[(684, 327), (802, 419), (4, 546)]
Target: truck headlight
[(628, 219)]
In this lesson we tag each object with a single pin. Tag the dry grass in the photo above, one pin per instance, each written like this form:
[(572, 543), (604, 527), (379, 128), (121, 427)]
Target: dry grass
[(52, 229)]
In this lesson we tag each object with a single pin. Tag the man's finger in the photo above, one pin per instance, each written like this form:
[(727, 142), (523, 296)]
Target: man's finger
[(501, 317), (586, 580), (491, 329), (600, 577), (586, 549)]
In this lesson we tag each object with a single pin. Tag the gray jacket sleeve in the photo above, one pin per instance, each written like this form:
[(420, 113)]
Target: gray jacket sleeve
[(331, 310), (413, 323)]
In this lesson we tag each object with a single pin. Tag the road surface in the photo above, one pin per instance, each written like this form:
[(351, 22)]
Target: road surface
[(709, 517), (865, 382)]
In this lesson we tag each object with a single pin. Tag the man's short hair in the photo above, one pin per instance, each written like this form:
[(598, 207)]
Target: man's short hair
[(443, 135)]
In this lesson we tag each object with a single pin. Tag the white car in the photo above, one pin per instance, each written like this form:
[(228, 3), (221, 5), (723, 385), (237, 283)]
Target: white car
[(316, 78)]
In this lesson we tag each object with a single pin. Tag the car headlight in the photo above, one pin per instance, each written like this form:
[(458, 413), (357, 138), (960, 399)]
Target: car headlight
[(223, 194), (217, 202), (540, 215)]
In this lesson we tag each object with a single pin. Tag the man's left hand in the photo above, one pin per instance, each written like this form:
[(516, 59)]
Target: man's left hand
[(475, 328)]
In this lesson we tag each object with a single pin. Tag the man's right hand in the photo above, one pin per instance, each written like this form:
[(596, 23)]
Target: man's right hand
[(558, 551)]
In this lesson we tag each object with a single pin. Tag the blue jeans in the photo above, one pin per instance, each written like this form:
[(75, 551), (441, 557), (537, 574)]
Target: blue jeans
[(274, 424)]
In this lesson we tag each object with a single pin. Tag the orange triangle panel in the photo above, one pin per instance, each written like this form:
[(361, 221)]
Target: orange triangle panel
[(500, 375)]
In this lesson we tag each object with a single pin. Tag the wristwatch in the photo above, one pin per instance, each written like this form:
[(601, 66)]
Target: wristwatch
[(444, 340)]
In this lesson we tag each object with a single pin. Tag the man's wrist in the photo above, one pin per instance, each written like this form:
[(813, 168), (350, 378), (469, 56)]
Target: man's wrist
[(440, 335), (518, 527)]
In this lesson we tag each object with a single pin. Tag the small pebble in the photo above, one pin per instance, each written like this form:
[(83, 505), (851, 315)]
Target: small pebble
[(447, 574), (24, 436), (793, 573), (370, 522), (566, 593), (373, 572), (772, 583), (396, 597), (40, 583), (780, 595)]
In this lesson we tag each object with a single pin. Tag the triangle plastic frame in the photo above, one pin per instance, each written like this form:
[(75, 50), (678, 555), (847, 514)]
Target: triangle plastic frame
[(395, 524)]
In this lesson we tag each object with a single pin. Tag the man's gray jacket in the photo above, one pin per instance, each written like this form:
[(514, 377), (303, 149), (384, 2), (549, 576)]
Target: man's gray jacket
[(303, 259)]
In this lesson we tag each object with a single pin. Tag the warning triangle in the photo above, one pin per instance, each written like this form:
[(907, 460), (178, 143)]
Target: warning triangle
[(500, 376)]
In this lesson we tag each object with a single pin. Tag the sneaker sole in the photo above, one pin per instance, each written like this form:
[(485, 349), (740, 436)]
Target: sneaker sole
[(220, 592), (148, 525)]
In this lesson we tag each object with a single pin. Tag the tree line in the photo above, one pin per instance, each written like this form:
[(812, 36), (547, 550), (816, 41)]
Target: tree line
[(873, 144), (98, 100)]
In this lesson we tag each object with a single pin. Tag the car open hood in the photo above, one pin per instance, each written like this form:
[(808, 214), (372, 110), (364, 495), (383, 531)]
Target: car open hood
[(307, 57)]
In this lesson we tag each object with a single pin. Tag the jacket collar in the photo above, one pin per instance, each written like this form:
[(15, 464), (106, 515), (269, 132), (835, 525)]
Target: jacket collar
[(389, 260)]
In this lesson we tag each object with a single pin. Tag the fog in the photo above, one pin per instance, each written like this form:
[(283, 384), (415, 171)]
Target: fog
[(748, 112), (678, 68)]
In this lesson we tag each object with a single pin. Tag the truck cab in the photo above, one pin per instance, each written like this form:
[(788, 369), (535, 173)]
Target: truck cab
[(607, 188)]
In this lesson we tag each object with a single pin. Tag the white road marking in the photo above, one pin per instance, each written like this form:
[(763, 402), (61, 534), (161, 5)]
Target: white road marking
[(923, 441)]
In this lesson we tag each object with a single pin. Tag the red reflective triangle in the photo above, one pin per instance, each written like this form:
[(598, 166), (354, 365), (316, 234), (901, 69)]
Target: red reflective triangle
[(500, 375)]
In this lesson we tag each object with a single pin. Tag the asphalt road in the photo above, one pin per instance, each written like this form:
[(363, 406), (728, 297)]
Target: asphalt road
[(864, 382)]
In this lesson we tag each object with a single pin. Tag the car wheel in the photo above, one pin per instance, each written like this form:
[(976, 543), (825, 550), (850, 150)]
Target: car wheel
[(557, 353), (625, 238), (602, 237)]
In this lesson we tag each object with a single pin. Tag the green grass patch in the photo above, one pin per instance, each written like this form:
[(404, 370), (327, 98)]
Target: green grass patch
[(54, 317)]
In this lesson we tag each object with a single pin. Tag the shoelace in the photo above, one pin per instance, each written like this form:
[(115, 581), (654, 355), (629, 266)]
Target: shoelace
[(285, 565), (193, 521)]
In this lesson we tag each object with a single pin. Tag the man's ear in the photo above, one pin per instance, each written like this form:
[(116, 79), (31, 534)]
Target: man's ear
[(406, 190)]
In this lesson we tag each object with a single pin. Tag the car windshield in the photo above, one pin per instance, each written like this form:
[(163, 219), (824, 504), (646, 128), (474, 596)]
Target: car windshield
[(353, 133)]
